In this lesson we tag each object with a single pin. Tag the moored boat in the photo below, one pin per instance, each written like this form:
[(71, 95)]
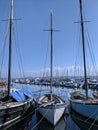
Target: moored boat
[(51, 106), (81, 102), (51, 110), (16, 103), (86, 107)]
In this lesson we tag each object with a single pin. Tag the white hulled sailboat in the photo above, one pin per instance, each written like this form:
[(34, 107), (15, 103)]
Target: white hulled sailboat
[(51, 106)]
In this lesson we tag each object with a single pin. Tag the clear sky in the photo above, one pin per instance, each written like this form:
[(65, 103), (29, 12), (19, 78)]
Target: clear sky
[(33, 42)]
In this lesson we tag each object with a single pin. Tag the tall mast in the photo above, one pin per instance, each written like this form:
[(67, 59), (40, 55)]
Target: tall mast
[(83, 46), (10, 46), (51, 53)]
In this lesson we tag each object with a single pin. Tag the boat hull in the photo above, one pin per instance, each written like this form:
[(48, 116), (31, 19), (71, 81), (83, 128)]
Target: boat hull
[(51, 110), (11, 112), (86, 109), (52, 113)]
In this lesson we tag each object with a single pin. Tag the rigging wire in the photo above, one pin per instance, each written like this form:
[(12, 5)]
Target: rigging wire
[(17, 51), (90, 47), (44, 70), (18, 54), (19, 61), (91, 52), (78, 68), (87, 37), (40, 120), (3, 49), (93, 123), (46, 57), (77, 55), (84, 121), (5, 38)]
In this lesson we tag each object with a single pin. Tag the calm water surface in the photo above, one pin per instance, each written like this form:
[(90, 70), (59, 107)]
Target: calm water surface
[(35, 122)]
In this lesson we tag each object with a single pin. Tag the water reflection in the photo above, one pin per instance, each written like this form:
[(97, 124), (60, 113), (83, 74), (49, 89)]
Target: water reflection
[(30, 123), (45, 125), (84, 123), (20, 124)]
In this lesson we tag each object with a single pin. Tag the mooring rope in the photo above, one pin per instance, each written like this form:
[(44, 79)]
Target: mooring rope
[(91, 115), (86, 121), (93, 123), (40, 120), (43, 115)]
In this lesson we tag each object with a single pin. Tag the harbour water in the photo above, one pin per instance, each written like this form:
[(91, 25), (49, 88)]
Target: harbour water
[(35, 122)]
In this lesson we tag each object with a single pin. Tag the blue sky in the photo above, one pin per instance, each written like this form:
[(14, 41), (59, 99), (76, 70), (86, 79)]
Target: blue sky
[(33, 42)]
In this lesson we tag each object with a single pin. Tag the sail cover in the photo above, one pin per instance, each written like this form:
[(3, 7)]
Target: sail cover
[(21, 95), (28, 93), (18, 96)]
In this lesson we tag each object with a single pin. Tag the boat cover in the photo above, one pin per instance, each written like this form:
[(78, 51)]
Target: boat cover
[(28, 93), (20, 95)]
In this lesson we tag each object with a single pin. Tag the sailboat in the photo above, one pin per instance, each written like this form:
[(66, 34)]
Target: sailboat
[(81, 102), (51, 106), (17, 103)]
